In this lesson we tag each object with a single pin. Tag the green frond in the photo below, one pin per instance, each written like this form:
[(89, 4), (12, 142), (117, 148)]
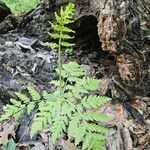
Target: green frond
[(86, 142), (54, 45), (66, 36), (57, 83), (30, 107), (22, 97), (66, 44), (15, 102), (36, 126), (73, 69), (94, 101), (60, 28), (67, 110), (95, 116), (80, 133), (96, 128), (80, 90), (73, 125), (34, 94), (54, 35), (9, 110), (90, 83), (18, 114), (15, 110), (46, 95), (58, 126), (93, 141), (65, 15)]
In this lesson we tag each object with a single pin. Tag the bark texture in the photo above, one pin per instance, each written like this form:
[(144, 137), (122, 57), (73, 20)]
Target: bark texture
[(4, 11), (124, 31)]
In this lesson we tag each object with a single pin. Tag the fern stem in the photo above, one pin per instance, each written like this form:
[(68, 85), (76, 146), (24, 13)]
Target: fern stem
[(59, 63)]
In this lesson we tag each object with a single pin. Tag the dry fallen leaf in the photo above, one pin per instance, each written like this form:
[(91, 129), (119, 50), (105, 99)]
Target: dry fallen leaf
[(4, 134)]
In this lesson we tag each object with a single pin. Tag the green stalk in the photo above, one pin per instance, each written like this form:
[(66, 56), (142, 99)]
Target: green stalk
[(59, 64)]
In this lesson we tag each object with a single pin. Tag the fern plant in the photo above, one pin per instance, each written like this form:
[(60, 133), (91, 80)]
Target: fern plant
[(70, 109), (72, 114), (62, 33)]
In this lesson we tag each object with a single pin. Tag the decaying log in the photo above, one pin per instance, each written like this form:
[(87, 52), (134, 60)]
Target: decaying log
[(4, 11), (124, 31)]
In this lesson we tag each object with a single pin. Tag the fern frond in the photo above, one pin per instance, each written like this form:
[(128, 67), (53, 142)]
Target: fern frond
[(67, 110), (46, 95), (30, 107), (95, 116), (57, 83), (66, 36), (9, 110), (58, 126), (69, 9), (87, 142), (34, 94), (90, 83), (93, 141), (15, 102), (94, 101), (60, 28), (54, 35), (54, 45), (73, 125), (43, 117), (73, 69), (65, 15), (22, 97), (96, 128), (80, 133), (15, 110), (66, 44), (37, 125)]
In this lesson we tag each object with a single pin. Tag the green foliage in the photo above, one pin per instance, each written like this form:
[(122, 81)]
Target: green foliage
[(72, 114), (11, 145), (20, 6), (60, 28), (71, 108), (69, 51), (61, 34), (21, 104)]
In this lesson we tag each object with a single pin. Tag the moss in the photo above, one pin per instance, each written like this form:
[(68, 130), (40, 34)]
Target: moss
[(20, 6)]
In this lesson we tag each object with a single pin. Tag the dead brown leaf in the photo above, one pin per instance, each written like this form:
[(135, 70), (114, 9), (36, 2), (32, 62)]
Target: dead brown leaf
[(4, 134)]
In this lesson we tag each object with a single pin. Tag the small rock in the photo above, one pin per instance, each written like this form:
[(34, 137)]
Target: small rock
[(38, 146), (27, 41), (9, 44)]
